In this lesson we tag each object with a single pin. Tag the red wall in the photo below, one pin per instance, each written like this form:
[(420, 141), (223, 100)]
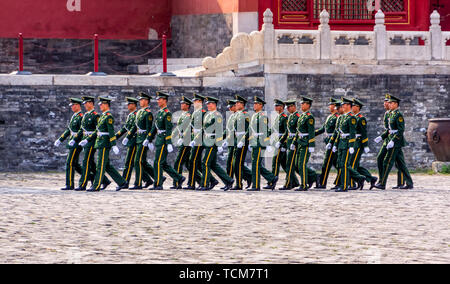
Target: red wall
[(195, 7), (111, 19)]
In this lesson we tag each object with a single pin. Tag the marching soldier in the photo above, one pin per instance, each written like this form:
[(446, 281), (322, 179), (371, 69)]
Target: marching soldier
[(361, 144), (289, 137), (332, 144), (230, 138), (196, 145), (88, 127), (383, 151), (105, 139), (305, 142), (213, 136), (241, 124), (396, 141), (162, 131), (259, 139), (346, 133), (279, 129), (140, 129), (130, 143), (182, 134), (328, 128), (72, 164)]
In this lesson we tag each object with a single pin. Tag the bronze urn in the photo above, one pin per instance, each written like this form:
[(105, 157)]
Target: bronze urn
[(438, 137)]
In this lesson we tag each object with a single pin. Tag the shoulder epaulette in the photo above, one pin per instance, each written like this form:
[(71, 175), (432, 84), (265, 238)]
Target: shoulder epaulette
[(147, 110), (308, 113), (166, 110), (359, 115), (80, 114), (108, 113), (298, 114), (95, 112), (203, 110), (336, 115), (244, 112), (351, 114), (284, 115)]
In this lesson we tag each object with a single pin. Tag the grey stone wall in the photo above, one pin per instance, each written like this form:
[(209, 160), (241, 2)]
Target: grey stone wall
[(58, 56), (33, 117), (423, 97), (196, 36)]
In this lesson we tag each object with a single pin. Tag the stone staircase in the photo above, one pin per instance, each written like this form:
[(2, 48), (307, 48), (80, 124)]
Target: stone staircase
[(155, 66)]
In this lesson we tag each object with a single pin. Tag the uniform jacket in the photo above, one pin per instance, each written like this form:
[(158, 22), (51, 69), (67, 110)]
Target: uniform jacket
[(305, 130), (88, 127), (328, 127), (162, 128), (131, 119), (72, 129)]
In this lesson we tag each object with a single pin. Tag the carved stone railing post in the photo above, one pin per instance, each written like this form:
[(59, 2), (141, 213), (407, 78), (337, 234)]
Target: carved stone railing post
[(436, 37), (381, 39), (325, 35), (269, 35)]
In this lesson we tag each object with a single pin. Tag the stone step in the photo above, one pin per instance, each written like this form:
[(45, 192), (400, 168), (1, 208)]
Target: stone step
[(153, 69), (177, 61)]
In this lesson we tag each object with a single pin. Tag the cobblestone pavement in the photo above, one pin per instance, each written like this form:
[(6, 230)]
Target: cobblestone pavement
[(40, 223)]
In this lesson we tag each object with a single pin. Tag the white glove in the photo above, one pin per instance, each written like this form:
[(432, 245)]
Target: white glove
[(250, 147), (277, 145), (180, 142), (57, 143), (283, 150), (71, 142), (311, 150), (334, 149), (151, 147), (366, 150), (192, 144), (83, 143), (378, 139), (292, 147), (169, 148), (390, 145), (125, 141), (145, 143), (115, 150), (220, 150), (351, 150), (225, 144), (240, 145), (329, 146), (269, 149)]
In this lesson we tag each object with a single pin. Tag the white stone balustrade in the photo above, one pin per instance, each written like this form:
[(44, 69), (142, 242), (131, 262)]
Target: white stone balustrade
[(270, 45)]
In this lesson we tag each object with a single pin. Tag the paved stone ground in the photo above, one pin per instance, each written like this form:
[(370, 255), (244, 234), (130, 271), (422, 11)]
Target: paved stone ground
[(39, 223)]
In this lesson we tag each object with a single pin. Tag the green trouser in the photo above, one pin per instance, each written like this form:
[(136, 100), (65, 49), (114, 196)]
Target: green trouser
[(395, 155), (129, 165), (144, 171), (195, 160), (291, 178), (88, 168), (240, 170), (344, 167), (329, 160), (279, 160), (181, 160), (230, 161), (258, 169), (160, 164), (104, 166), (72, 165), (380, 158), (210, 165), (306, 174), (356, 167)]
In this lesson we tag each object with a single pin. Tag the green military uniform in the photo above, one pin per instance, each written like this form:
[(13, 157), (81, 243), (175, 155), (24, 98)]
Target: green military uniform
[(197, 148), (305, 141), (162, 131), (361, 143), (289, 137), (213, 136), (383, 151), (105, 138), (130, 143), (88, 127), (346, 133), (396, 142), (279, 128), (230, 139), (72, 164), (241, 125), (259, 138), (330, 158), (141, 129), (181, 133)]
